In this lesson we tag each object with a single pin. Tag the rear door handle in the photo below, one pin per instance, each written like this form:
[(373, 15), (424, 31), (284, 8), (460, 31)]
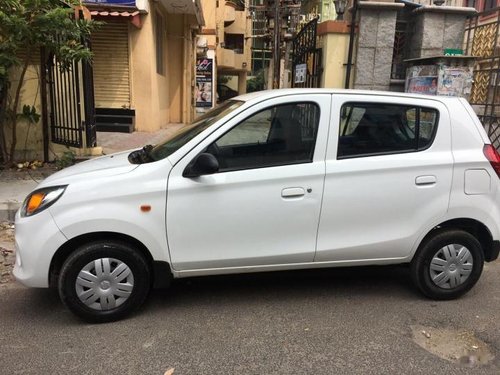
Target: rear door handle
[(425, 180), (295, 192)]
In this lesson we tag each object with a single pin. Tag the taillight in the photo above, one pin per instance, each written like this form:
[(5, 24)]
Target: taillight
[(493, 157)]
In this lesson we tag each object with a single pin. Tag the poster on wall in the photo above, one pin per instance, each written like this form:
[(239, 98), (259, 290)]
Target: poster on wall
[(423, 85), (300, 73), (204, 83), (455, 81), (422, 79)]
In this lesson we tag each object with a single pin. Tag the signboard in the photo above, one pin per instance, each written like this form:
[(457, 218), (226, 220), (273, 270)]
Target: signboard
[(204, 83), (300, 73), (125, 3), (453, 52)]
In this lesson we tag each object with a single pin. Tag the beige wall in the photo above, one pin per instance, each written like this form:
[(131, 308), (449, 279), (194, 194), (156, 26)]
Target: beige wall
[(335, 47), (334, 40), (212, 23), (29, 145), (181, 65), (175, 62), (159, 99), (227, 62), (143, 75)]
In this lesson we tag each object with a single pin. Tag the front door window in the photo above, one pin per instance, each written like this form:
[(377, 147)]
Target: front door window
[(279, 135)]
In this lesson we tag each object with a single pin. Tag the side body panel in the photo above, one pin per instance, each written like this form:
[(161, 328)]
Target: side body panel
[(476, 190), (113, 204)]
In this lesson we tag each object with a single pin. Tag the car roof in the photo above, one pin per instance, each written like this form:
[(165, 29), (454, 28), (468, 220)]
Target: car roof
[(268, 94)]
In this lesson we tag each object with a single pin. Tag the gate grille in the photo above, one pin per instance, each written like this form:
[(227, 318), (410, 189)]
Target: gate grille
[(482, 41), (65, 111), (71, 103), (306, 52)]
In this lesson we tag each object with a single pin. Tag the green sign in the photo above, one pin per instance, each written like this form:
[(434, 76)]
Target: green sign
[(453, 52)]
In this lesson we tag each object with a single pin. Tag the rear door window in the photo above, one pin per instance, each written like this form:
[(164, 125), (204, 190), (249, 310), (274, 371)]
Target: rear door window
[(378, 128)]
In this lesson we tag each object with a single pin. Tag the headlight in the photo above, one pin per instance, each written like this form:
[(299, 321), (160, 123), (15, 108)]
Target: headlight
[(41, 199)]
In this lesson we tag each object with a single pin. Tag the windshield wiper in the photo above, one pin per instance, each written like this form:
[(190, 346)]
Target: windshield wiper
[(141, 156)]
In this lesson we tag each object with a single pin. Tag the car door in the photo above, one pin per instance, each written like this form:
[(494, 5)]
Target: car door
[(262, 207), (388, 176)]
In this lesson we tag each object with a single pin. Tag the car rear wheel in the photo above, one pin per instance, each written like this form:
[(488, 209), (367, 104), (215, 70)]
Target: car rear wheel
[(448, 264), (104, 281)]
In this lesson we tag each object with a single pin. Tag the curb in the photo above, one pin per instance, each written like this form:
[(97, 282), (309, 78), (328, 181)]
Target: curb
[(8, 210)]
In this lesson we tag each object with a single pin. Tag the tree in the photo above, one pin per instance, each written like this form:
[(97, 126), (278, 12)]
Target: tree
[(26, 26), (257, 83)]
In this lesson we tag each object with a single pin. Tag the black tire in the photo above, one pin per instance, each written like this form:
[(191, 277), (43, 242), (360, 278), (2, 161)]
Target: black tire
[(421, 263), (85, 254)]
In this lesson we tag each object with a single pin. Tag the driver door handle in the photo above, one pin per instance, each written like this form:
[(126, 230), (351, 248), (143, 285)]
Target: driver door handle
[(294, 192), (425, 180)]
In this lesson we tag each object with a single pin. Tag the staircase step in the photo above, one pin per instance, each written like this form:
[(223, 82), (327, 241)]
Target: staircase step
[(114, 127), (111, 119), (115, 111)]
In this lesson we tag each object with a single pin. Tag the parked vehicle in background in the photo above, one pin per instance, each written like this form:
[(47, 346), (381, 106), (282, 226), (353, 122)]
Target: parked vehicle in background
[(225, 92), (274, 180)]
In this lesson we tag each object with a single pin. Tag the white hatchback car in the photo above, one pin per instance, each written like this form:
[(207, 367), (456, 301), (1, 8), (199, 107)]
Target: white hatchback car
[(275, 180)]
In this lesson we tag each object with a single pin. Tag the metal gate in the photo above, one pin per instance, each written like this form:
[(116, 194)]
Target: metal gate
[(306, 60), (71, 103), (482, 41)]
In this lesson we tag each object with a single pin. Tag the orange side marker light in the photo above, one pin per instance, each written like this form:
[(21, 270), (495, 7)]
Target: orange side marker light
[(145, 208)]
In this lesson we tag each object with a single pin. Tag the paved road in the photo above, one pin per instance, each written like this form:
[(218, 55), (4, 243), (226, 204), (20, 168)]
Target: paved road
[(351, 321)]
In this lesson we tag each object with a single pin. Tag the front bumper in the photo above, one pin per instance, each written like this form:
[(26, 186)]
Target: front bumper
[(37, 240)]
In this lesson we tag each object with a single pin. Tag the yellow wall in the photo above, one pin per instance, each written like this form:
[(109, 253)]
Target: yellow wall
[(335, 48), (144, 81), (175, 62), (334, 40), (159, 99), (29, 145), (230, 63)]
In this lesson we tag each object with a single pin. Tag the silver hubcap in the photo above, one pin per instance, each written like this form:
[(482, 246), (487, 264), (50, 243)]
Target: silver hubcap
[(451, 266), (104, 284)]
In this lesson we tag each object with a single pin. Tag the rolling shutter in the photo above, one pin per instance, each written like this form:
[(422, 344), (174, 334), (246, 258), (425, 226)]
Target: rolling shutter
[(111, 65)]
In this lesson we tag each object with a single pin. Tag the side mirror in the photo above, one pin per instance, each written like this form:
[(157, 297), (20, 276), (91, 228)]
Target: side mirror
[(204, 163)]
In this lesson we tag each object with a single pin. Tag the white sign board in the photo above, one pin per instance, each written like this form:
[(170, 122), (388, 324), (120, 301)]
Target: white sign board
[(300, 73)]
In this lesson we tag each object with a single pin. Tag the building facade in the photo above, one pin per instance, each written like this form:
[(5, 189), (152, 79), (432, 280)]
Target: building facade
[(144, 62), (226, 41)]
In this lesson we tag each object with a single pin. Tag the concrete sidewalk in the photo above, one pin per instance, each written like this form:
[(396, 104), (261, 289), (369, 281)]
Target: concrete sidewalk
[(12, 194), (15, 186)]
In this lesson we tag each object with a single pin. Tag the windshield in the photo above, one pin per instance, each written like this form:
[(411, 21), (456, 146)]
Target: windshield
[(188, 132)]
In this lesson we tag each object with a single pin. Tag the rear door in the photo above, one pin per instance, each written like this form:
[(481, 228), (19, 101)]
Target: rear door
[(388, 175)]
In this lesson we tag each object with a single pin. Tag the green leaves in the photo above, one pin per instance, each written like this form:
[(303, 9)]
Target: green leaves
[(31, 24), (25, 27), (29, 114)]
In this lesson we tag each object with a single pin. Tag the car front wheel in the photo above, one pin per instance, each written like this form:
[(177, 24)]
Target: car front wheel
[(104, 281), (448, 264)]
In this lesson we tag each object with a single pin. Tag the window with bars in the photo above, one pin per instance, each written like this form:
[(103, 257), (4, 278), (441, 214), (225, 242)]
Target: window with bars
[(398, 65), (489, 4)]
